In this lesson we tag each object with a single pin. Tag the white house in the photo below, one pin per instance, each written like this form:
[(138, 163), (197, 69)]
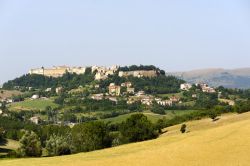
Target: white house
[(34, 97), (185, 86)]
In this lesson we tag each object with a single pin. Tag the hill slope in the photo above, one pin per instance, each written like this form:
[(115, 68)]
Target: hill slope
[(237, 78), (225, 142)]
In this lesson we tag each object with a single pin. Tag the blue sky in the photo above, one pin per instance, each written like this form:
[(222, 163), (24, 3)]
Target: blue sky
[(175, 35)]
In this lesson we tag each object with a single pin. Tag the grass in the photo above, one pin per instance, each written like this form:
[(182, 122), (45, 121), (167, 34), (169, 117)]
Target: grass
[(151, 116), (7, 146), (39, 104), (224, 142)]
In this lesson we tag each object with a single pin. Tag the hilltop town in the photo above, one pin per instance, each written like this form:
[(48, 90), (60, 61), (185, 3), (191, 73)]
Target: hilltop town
[(65, 99), (134, 85), (101, 72)]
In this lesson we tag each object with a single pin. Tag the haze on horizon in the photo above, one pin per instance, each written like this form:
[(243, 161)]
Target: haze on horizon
[(174, 35)]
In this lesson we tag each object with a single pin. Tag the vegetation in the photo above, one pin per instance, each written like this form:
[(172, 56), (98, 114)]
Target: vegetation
[(30, 145), (137, 128), (91, 136), (58, 145), (183, 128), (172, 143)]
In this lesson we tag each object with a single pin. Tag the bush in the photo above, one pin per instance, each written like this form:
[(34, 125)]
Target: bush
[(183, 128), (30, 145), (137, 128), (213, 115)]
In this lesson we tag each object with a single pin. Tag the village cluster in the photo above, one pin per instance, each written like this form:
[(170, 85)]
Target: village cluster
[(125, 91)]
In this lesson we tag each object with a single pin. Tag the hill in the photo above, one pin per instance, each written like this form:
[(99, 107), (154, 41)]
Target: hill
[(224, 142), (235, 78)]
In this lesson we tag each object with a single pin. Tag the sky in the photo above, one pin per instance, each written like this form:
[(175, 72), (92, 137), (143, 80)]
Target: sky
[(175, 35)]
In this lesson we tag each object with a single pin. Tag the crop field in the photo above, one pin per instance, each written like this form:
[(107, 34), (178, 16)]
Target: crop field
[(224, 142)]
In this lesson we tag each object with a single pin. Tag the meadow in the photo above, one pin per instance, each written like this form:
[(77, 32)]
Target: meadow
[(28, 104)]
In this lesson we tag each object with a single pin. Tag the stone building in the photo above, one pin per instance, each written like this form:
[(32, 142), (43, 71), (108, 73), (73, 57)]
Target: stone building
[(114, 90)]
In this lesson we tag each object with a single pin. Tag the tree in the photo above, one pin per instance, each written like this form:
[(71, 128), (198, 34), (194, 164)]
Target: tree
[(137, 128), (1, 133), (158, 109), (30, 145), (183, 128), (91, 136), (213, 114), (58, 145)]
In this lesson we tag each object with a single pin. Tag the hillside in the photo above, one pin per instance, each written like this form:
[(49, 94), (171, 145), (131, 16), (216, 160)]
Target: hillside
[(224, 142), (236, 78)]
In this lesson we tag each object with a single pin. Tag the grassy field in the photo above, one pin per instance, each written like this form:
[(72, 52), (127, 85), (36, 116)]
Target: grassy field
[(225, 142), (39, 104), (9, 93), (151, 116), (8, 146)]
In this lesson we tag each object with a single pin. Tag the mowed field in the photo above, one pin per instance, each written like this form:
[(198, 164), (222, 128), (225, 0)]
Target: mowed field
[(225, 142), (39, 104)]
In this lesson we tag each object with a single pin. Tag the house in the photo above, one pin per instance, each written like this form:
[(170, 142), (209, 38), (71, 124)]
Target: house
[(102, 73), (99, 96), (126, 84), (185, 86), (208, 90), (114, 90), (165, 102), (138, 73), (57, 71), (114, 99), (48, 90), (130, 90), (100, 76), (140, 93), (9, 101), (34, 97), (59, 90), (35, 119), (194, 95), (174, 99), (97, 86), (147, 100)]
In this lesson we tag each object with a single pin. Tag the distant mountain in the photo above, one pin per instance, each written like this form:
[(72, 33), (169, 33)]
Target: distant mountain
[(234, 78)]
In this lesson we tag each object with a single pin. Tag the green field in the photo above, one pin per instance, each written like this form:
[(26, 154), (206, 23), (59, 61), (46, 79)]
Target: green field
[(39, 104), (151, 116), (225, 142)]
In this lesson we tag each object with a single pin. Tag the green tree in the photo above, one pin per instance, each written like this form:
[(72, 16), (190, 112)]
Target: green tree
[(30, 145), (58, 145), (137, 128), (91, 136)]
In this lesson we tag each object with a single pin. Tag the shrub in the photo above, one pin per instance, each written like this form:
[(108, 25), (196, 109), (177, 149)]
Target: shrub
[(183, 128)]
